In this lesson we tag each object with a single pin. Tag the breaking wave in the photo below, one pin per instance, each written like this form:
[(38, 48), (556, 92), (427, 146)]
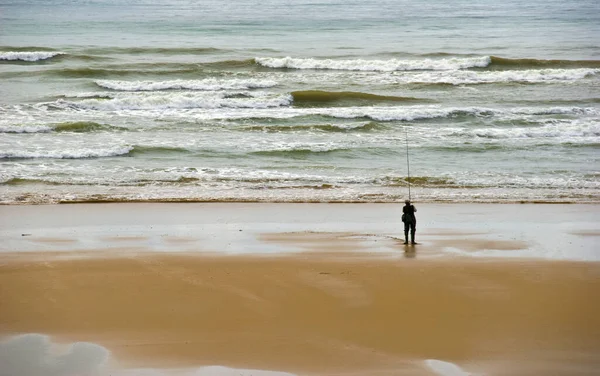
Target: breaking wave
[(83, 126), (421, 181), (116, 151), (42, 128), (68, 154), (374, 65), (306, 151), (246, 109), (210, 84), (174, 100), (77, 127), (413, 113), (28, 56), (334, 128), (461, 77)]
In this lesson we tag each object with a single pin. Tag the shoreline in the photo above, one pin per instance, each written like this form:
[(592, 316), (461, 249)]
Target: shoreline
[(563, 232), (301, 201), (308, 289)]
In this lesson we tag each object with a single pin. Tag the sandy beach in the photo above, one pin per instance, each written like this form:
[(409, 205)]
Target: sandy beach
[(319, 289), (215, 188)]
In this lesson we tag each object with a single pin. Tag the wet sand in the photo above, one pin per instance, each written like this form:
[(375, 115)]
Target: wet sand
[(339, 306)]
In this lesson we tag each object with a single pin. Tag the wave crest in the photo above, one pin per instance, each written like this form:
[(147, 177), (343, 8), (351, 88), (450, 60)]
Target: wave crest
[(174, 101), (461, 77), (315, 97), (333, 128), (527, 63), (374, 65), (76, 126), (29, 56), (201, 85), (67, 154)]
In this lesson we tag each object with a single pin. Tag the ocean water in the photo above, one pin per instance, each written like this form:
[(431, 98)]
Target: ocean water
[(312, 100)]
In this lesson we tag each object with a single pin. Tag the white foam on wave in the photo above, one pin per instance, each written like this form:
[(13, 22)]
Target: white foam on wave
[(38, 355), (555, 131), (67, 154), (499, 179), (315, 147), (462, 77), (210, 84), (179, 100), (249, 105), (29, 56), (372, 112), (374, 65), (556, 111), (31, 128), (58, 173), (378, 113)]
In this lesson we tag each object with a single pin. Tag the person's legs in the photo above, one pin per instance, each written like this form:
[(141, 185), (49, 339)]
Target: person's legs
[(413, 229), (406, 227)]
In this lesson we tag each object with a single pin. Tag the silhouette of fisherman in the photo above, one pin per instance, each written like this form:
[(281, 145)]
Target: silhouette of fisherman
[(410, 221)]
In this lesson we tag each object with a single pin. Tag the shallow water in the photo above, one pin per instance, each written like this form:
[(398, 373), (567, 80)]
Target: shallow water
[(310, 101)]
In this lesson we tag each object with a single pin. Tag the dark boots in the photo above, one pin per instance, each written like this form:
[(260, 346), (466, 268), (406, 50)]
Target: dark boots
[(412, 237)]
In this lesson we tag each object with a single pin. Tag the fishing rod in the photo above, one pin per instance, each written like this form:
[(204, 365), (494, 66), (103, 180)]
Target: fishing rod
[(407, 162)]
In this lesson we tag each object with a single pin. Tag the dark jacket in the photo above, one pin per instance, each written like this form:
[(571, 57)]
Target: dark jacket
[(409, 213)]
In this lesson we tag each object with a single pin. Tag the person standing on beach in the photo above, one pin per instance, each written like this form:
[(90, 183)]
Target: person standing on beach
[(410, 221)]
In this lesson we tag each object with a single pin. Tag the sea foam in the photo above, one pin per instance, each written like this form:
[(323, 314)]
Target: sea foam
[(29, 56), (381, 113), (215, 107), (176, 100), (31, 128), (205, 85), (374, 65), (462, 77), (68, 154)]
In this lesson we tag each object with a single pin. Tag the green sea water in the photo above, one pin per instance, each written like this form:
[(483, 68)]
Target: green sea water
[(299, 101)]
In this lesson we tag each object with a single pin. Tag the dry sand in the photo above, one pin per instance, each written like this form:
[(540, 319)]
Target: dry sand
[(333, 309)]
